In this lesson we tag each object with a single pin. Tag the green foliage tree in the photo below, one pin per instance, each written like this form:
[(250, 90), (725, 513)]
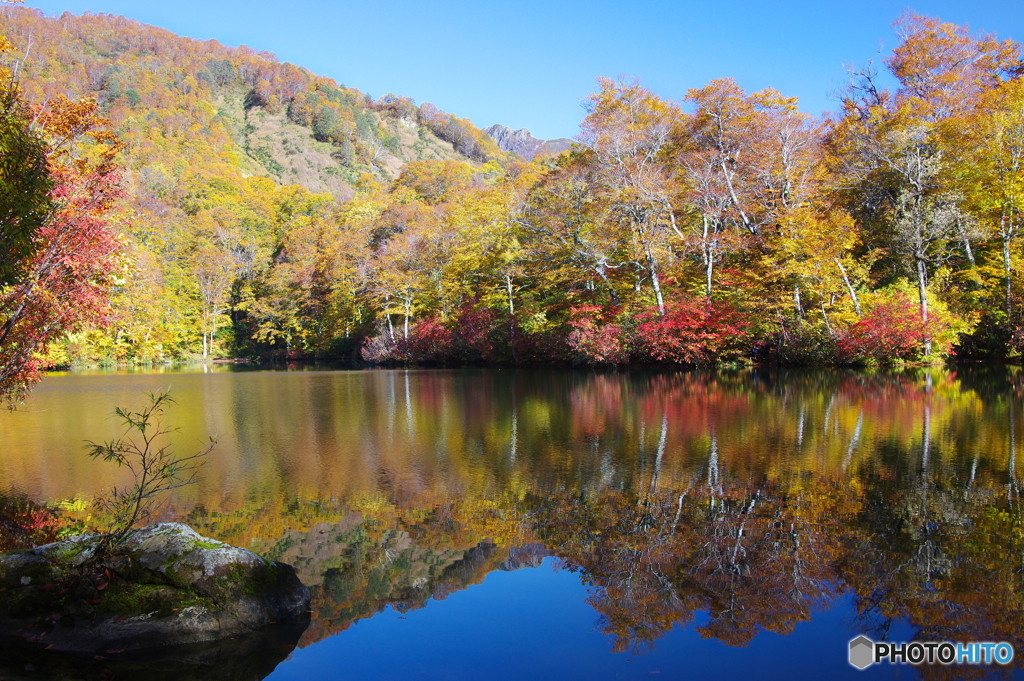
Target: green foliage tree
[(24, 181)]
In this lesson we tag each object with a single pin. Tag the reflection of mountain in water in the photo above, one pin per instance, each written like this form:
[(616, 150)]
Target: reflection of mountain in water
[(356, 570), (529, 556)]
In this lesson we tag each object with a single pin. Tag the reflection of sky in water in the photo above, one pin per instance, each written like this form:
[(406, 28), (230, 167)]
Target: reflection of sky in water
[(534, 624)]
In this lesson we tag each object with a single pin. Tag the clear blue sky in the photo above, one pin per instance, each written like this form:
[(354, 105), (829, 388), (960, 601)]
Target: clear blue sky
[(530, 64)]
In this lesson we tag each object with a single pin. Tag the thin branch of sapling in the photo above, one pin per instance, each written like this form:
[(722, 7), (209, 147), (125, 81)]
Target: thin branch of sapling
[(154, 466)]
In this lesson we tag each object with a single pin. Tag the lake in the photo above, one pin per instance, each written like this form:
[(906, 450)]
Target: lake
[(504, 524)]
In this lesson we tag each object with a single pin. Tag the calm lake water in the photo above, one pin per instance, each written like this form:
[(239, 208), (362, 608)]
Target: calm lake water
[(570, 525)]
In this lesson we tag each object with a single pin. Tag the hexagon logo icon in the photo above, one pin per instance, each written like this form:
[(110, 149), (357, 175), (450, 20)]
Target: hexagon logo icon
[(862, 652)]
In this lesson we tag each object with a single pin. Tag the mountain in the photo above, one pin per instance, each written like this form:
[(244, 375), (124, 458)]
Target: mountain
[(182, 104), (234, 168), (524, 144)]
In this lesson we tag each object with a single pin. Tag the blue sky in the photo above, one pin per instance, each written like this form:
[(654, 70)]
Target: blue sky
[(530, 64)]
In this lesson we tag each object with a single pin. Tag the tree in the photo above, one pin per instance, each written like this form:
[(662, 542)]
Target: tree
[(744, 161), (156, 469), (629, 130), (24, 179), (943, 69), (896, 147), (65, 247), (564, 227), (893, 160), (993, 178), (306, 299)]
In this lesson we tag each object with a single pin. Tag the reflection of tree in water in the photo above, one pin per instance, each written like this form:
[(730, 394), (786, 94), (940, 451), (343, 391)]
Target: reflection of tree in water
[(739, 501), (732, 503), (752, 556), (943, 553)]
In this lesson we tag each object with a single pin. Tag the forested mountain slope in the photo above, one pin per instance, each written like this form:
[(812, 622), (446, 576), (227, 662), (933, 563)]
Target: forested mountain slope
[(187, 107), (226, 152)]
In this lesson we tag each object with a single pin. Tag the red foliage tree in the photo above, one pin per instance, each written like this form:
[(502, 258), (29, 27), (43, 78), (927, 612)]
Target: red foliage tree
[(430, 342), (691, 332), (63, 281)]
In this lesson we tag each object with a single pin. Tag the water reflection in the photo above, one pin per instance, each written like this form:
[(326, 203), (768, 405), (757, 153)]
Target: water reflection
[(731, 503), (244, 658)]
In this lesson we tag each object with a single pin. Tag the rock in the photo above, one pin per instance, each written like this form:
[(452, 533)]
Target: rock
[(524, 144), (162, 585)]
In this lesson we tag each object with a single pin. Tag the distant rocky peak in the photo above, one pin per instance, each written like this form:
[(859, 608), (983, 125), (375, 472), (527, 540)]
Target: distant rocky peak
[(522, 142)]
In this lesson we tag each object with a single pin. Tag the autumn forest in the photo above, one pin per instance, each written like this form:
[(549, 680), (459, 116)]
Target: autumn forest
[(213, 202)]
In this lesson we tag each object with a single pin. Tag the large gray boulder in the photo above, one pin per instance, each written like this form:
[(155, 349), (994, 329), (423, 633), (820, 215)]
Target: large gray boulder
[(160, 586)]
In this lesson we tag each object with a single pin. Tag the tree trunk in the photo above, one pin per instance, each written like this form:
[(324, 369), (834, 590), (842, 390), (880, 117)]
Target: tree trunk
[(656, 284), (849, 286), (213, 330), (508, 287), (968, 251), (922, 292), (601, 269), (1008, 271), (709, 258), (735, 201), (920, 246)]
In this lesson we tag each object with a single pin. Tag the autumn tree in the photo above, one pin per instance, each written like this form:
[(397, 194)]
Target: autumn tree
[(564, 228), (943, 69), (56, 220), (629, 129), (24, 178), (993, 174), (308, 298), (744, 161)]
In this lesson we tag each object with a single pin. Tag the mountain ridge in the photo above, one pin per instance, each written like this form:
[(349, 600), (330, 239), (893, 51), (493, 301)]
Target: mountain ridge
[(522, 142)]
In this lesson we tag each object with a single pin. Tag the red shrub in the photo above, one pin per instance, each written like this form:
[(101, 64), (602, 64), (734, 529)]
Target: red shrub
[(891, 330), (475, 332), (430, 342), (594, 339), (475, 335), (691, 332)]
